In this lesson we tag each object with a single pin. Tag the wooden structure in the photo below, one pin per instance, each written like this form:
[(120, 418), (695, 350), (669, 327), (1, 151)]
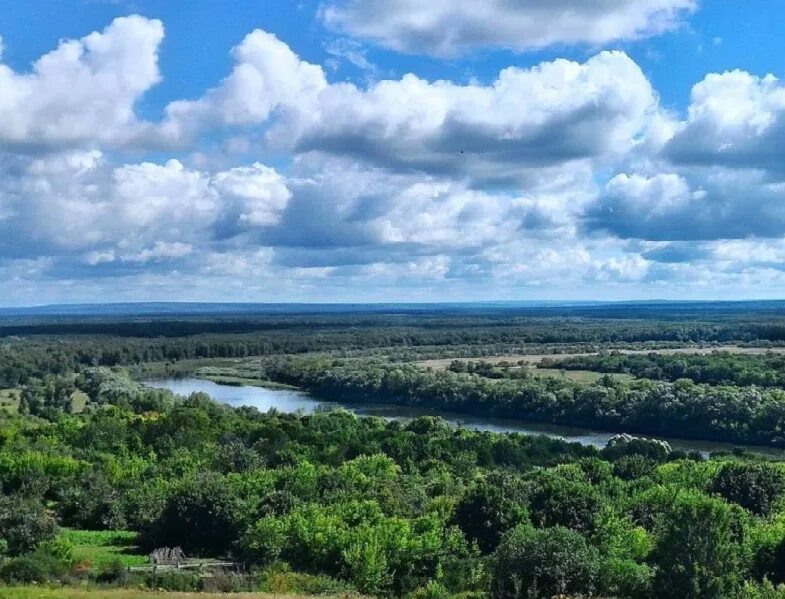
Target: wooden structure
[(167, 558)]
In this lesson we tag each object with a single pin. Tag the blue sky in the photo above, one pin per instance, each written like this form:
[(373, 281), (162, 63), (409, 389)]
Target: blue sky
[(391, 150)]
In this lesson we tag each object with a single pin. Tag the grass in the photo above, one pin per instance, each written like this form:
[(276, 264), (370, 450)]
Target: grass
[(98, 593), (101, 548), (444, 363), (239, 372), (179, 368), (79, 400), (240, 381), (9, 399), (579, 376)]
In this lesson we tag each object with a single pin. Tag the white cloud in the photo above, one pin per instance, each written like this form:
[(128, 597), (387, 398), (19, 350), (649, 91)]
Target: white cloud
[(562, 176), (735, 119), (526, 120), (510, 130), (267, 76), (84, 91), (255, 195), (76, 203), (451, 27)]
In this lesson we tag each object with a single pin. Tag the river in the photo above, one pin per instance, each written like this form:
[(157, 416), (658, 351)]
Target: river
[(288, 401)]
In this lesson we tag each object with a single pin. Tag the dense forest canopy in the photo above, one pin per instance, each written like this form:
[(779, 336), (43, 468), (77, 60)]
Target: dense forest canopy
[(332, 502)]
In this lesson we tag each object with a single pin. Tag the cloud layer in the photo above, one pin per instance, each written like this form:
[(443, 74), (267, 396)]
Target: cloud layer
[(280, 183), (451, 27)]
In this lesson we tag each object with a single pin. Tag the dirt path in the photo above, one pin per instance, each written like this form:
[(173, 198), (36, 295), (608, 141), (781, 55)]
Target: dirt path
[(443, 363)]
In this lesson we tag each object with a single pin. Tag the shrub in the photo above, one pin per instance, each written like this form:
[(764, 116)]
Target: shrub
[(558, 501), (489, 509), (755, 487), (279, 579), (32, 568), (24, 523), (204, 517), (543, 563)]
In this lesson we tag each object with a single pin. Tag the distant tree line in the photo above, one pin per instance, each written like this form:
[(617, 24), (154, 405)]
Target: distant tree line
[(680, 409), (716, 368)]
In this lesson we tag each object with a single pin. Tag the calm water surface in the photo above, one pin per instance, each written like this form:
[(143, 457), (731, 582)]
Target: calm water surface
[(288, 401)]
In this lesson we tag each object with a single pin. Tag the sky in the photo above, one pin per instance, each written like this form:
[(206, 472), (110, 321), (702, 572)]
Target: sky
[(391, 150)]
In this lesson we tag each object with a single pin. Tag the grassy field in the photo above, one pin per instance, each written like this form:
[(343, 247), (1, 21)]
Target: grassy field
[(240, 372), (531, 359), (101, 548), (79, 400), (66, 593), (579, 376), (9, 399), (239, 375), (179, 368)]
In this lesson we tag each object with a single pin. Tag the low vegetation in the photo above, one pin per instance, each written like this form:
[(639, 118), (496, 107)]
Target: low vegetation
[(97, 471)]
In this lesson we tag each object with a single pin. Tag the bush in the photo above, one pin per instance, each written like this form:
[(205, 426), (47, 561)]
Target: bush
[(558, 501), (542, 563), (24, 523), (631, 467), (280, 580), (489, 509), (204, 517), (32, 568), (182, 582), (755, 487), (700, 548)]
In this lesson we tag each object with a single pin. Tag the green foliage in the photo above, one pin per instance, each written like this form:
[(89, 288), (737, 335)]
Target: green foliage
[(538, 564), (24, 524), (716, 368), (681, 408), (491, 507), (700, 548), (633, 466), (30, 569), (755, 487), (102, 549), (203, 516), (280, 580), (559, 501), (334, 503)]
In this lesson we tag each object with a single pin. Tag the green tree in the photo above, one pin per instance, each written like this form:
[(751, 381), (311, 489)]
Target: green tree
[(24, 524), (755, 487), (700, 548), (534, 564), (490, 508)]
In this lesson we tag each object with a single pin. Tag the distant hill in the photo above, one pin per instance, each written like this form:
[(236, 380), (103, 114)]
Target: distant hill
[(523, 308)]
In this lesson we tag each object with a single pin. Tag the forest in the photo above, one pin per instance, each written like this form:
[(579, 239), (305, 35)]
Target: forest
[(98, 470)]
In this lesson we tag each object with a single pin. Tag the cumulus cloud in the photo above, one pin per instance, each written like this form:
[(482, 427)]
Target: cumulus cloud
[(267, 76), (718, 204), (451, 27), (559, 176), (342, 212), (546, 116), (735, 119), (84, 91), (510, 130), (76, 205)]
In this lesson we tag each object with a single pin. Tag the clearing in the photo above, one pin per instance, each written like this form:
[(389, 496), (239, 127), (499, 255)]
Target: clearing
[(520, 359), (101, 548), (9, 399)]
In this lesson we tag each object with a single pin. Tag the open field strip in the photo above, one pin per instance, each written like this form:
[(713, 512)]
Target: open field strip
[(443, 363), (9, 399)]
